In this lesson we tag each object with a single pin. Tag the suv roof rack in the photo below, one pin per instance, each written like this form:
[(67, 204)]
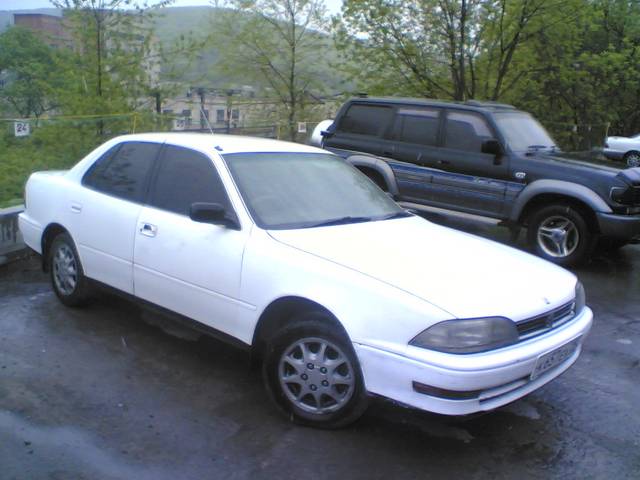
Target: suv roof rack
[(478, 103)]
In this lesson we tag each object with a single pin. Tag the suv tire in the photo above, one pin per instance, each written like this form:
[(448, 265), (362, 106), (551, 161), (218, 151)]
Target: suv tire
[(559, 233), (312, 373)]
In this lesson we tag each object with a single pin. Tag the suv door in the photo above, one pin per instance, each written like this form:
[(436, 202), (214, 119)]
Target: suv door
[(361, 128), (415, 137), (105, 210), (189, 267), (475, 181)]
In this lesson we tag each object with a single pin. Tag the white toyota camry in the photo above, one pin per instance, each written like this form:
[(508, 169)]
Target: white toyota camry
[(294, 254)]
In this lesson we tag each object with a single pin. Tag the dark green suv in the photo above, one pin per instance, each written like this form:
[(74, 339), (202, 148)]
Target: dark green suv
[(491, 160)]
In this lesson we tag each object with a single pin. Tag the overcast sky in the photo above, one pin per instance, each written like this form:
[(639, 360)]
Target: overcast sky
[(332, 5)]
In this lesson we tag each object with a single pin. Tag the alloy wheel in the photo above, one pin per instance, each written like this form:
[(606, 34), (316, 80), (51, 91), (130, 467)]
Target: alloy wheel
[(65, 270), (558, 236), (316, 375)]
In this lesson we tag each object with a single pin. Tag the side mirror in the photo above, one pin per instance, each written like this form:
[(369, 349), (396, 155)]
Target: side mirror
[(213, 213), (493, 147)]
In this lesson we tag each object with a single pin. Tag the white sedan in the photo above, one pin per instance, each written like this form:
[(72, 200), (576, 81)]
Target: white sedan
[(294, 254), (626, 149)]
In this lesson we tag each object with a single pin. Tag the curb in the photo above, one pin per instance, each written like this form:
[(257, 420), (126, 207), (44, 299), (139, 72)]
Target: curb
[(12, 247)]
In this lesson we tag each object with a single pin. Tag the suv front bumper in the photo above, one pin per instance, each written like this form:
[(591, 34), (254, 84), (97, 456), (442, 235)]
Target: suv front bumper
[(465, 384), (618, 226)]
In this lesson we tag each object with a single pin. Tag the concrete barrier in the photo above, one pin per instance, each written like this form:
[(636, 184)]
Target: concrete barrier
[(12, 247)]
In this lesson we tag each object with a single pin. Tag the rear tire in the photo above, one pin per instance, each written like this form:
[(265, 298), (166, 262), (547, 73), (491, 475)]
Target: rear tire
[(559, 233), (312, 373), (67, 276), (632, 159)]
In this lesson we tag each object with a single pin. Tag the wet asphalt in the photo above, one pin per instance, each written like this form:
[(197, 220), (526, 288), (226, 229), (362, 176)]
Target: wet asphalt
[(113, 392)]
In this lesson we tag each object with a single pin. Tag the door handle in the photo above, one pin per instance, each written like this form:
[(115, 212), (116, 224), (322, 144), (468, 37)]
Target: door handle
[(444, 162), (387, 153), (76, 208), (148, 230)]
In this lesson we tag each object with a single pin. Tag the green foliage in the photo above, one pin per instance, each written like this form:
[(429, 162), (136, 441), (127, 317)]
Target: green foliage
[(575, 64), (275, 44), (29, 68)]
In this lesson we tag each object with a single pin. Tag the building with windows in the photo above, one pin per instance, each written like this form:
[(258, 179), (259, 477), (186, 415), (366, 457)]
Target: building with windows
[(51, 29)]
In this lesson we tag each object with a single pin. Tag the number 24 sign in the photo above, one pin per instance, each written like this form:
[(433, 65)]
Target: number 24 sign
[(21, 129)]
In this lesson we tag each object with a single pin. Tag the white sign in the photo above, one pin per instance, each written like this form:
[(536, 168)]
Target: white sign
[(22, 129), (302, 127), (179, 123)]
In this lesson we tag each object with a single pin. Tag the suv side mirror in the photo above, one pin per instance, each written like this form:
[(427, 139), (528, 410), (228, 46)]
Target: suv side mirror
[(493, 147), (213, 213)]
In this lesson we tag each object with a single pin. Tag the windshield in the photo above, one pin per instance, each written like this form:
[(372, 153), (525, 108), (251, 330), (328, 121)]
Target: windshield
[(523, 132), (302, 190)]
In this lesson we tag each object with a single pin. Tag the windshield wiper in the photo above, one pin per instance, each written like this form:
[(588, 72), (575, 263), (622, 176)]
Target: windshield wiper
[(340, 221)]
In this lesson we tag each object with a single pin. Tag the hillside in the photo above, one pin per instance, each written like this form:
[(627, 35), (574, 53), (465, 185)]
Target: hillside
[(173, 23)]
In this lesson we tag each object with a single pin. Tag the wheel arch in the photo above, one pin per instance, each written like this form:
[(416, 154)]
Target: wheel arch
[(50, 232), (278, 313), (547, 192), (380, 167), (545, 199)]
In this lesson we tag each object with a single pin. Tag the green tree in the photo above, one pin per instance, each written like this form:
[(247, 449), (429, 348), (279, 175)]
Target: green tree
[(117, 62), (454, 49), (29, 68), (275, 43)]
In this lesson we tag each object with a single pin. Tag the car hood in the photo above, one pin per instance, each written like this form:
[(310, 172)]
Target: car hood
[(465, 275)]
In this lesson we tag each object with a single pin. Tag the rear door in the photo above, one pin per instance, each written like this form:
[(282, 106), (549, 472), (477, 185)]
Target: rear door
[(361, 129), (189, 267), (472, 181), (415, 135), (105, 210)]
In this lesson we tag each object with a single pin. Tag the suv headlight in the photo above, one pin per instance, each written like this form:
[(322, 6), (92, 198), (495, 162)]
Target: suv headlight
[(468, 335), (581, 297)]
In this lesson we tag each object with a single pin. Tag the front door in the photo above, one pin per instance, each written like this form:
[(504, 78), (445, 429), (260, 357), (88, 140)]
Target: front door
[(475, 182), (188, 267)]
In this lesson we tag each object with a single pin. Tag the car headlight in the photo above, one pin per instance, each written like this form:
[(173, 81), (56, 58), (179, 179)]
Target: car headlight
[(581, 297), (468, 335)]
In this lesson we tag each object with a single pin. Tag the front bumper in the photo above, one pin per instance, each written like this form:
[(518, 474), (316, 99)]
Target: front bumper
[(493, 378), (618, 226)]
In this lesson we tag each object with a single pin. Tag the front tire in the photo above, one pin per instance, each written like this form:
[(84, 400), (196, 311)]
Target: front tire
[(559, 233), (312, 373), (67, 276)]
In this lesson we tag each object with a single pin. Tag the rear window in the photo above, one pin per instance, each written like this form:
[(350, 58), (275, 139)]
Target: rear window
[(123, 171), (417, 125), (365, 119)]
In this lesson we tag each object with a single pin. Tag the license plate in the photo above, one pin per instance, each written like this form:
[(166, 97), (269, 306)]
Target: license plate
[(554, 358)]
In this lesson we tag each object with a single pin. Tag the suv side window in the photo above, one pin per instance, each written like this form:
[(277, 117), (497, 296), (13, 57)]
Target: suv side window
[(123, 170), (417, 125), (466, 131), (365, 119), (184, 177)]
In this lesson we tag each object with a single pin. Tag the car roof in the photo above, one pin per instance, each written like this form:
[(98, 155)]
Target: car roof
[(219, 143), (473, 105)]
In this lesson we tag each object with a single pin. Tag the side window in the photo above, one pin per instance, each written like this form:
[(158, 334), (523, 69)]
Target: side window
[(365, 119), (184, 177), (466, 131), (417, 125), (123, 170)]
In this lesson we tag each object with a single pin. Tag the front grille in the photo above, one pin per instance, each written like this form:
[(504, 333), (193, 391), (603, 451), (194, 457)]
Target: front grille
[(636, 196), (547, 321)]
